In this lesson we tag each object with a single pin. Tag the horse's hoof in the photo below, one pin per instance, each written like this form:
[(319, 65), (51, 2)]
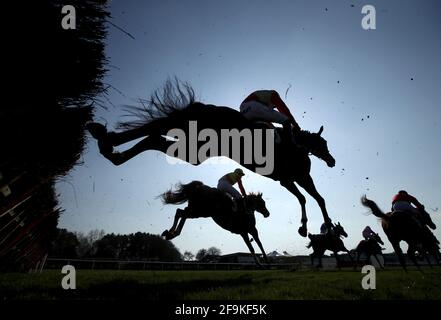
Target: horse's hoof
[(166, 234), (106, 149), (114, 157), (303, 231), (97, 130)]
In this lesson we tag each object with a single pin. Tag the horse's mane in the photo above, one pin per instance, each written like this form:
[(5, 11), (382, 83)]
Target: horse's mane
[(307, 136), (255, 194), (173, 96)]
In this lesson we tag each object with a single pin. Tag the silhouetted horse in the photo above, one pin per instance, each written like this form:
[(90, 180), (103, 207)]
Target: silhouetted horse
[(370, 247), (330, 241), (177, 108), (204, 202), (404, 226)]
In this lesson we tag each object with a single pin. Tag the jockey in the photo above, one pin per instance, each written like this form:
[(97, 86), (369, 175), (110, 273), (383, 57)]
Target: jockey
[(259, 106), (403, 201), (368, 233), (226, 184)]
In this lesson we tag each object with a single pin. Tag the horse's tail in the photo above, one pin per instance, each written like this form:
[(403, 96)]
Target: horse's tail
[(174, 96), (376, 211), (182, 193)]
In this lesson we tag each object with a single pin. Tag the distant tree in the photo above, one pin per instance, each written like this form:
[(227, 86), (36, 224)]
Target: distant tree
[(136, 246), (188, 256), (201, 254), (65, 245), (88, 242), (213, 251)]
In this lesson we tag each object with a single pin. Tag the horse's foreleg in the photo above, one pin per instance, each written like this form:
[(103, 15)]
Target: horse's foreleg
[(178, 215), (350, 257), (337, 258), (255, 235), (250, 247), (378, 261), (427, 257), (291, 187), (176, 229), (320, 256), (307, 184), (399, 252), (180, 226), (411, 255), (358, 259)]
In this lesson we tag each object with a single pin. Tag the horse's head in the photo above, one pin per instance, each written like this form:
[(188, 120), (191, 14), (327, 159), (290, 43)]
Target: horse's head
[(377, 238), (256, 202), (425, 216), (317, 145), (339, 230)]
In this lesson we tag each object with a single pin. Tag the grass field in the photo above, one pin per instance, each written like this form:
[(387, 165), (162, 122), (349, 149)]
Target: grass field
[(201, 285)]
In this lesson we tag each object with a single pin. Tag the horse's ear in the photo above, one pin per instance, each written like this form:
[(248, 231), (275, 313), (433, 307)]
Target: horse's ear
[(259, 194), (320, 130), (338, 223)]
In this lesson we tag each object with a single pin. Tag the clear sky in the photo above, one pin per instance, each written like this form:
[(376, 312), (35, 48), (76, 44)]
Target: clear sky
[(377, 93)]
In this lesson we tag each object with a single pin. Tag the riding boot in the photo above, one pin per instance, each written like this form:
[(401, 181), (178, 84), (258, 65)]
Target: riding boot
[(288, 137), (234, 206)]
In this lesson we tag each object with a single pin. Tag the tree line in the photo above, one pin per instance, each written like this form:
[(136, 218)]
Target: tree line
[(135, 246)]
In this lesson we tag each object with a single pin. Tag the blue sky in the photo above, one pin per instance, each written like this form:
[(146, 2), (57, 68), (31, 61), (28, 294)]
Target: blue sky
[(376, 92)]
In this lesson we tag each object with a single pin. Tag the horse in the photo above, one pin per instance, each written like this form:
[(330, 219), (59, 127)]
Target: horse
[(204, 201), (405, 226), (370, 247), (330, 241), (176, 109)]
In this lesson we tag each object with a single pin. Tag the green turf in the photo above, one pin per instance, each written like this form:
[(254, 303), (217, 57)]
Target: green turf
[(267, 285)]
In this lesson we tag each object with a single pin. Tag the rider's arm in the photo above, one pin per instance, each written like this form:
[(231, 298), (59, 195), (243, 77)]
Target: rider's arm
[(416, 203), (242, 190), (283, 108)]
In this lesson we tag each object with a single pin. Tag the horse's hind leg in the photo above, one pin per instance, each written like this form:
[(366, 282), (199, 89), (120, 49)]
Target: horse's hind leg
[(157, 127), (291, 187), (153, 142)]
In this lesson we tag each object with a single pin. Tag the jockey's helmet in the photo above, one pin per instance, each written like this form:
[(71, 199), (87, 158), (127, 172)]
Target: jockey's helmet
[(239, 172)]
